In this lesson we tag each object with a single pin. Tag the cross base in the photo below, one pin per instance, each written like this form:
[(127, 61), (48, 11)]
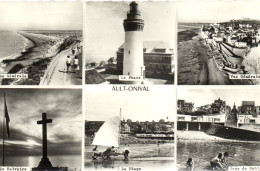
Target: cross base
[(45, 163)]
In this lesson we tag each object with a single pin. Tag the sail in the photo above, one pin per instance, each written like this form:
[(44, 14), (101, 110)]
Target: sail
[(109, 133)]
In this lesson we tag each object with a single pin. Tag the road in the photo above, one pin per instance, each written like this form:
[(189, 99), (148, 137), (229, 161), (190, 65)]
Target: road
[(57, 74)]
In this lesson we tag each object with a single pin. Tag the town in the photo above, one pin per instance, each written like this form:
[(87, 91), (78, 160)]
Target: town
[(231, 42), (136, 132), (220, 119)]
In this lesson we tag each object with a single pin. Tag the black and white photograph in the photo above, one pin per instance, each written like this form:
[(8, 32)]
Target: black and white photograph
[(41, 43), (129, 131), (41, 129), (129, 42), (218, 129), (218, 43)]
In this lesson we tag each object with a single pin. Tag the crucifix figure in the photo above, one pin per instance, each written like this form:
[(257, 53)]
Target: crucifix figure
[(44, 163)]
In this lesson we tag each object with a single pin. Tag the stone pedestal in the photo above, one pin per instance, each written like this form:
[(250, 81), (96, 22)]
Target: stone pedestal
[(45, 162)]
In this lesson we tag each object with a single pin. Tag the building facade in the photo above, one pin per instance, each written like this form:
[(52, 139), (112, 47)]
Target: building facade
[(157, 57)]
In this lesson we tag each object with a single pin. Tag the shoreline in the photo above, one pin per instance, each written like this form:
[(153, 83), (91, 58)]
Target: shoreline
[(31, 55), (35, 58), (199, 136)]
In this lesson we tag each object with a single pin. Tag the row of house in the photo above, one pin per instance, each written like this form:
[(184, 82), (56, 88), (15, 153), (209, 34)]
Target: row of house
[(234, 33), (147, 127), (127, 127), (218, 106), (246, 116)]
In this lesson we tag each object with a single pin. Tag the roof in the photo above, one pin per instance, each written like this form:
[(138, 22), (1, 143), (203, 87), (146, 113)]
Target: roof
[(94, 77), (248, 103), (150, 46)]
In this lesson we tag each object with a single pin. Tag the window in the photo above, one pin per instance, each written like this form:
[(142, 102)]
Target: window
[(252, 121), (217, 119), (194, 118), (181, 118)]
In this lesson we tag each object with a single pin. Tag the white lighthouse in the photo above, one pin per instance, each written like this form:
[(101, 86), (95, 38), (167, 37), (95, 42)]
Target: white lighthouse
[(133, 62)]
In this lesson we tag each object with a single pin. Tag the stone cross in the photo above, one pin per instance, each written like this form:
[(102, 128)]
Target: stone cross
[(45, 161)]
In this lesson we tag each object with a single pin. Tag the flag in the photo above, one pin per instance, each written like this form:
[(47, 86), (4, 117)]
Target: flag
[(7, 118)]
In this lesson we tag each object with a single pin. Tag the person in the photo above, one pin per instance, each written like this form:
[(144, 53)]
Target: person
[(215, 163), (68, 63), (189, 164), (95, 153), (223, 160), (109, 151), (76, 63), (113, 149)]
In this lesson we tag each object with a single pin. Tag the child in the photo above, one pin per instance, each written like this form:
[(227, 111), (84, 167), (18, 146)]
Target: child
[(190, 164)]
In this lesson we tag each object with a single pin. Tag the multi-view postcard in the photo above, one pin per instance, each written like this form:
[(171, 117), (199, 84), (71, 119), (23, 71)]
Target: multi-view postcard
[(41, 43), (41, 129), (218, 129), (218, 43), (129, 42), (124, 133)]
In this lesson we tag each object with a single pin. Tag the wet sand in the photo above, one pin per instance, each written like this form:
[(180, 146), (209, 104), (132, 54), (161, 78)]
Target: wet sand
[(147, 156), (240, 153), (202, 147), (151, 164)]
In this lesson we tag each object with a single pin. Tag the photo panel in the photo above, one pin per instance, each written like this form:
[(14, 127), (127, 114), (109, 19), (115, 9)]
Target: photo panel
[(129, 42), (218, 128), (41, 43), (129, 130), (41, 129), (218, 43)]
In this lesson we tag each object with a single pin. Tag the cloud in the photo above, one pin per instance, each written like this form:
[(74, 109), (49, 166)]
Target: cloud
[(25, 108), (41, 16)]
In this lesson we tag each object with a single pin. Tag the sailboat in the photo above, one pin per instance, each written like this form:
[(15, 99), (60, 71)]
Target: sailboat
[(108, 135)]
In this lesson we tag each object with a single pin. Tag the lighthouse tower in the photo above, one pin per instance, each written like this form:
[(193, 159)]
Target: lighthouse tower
[(133, 51)]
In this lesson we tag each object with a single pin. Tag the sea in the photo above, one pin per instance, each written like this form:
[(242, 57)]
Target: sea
[(189, 26), (73, 162), (12, 44), (240, 153), (152, 157)]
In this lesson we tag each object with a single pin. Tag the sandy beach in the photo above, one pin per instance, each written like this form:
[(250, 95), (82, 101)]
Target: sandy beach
[(35, 60), (147, 156), (195, 62), (202, 148)]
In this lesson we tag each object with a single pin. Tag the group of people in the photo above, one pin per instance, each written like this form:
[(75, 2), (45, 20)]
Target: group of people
[(217, 163), (72, 62), (108, 152)]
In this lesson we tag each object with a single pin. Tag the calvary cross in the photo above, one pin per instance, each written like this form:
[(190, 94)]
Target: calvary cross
[(44, 163)]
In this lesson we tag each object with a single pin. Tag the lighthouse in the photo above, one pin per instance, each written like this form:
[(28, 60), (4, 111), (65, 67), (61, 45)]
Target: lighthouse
[(133, 62)]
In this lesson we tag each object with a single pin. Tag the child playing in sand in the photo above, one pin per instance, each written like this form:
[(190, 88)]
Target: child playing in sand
[(190, 164)]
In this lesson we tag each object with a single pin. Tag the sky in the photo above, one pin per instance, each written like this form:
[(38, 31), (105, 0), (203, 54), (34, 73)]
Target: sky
[(41, 15), (104, 26), (137, 106), (217, 11), (207, 96), (25, 108)]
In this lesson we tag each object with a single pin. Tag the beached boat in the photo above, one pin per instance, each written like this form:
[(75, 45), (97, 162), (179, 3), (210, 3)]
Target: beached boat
[(109, 136), (230, 69)]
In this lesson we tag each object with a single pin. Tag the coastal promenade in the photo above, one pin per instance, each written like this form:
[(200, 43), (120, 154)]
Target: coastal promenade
[(56, 73)]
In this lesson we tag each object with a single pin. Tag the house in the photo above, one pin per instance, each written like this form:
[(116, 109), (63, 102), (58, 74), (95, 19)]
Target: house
[(158, 57)]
